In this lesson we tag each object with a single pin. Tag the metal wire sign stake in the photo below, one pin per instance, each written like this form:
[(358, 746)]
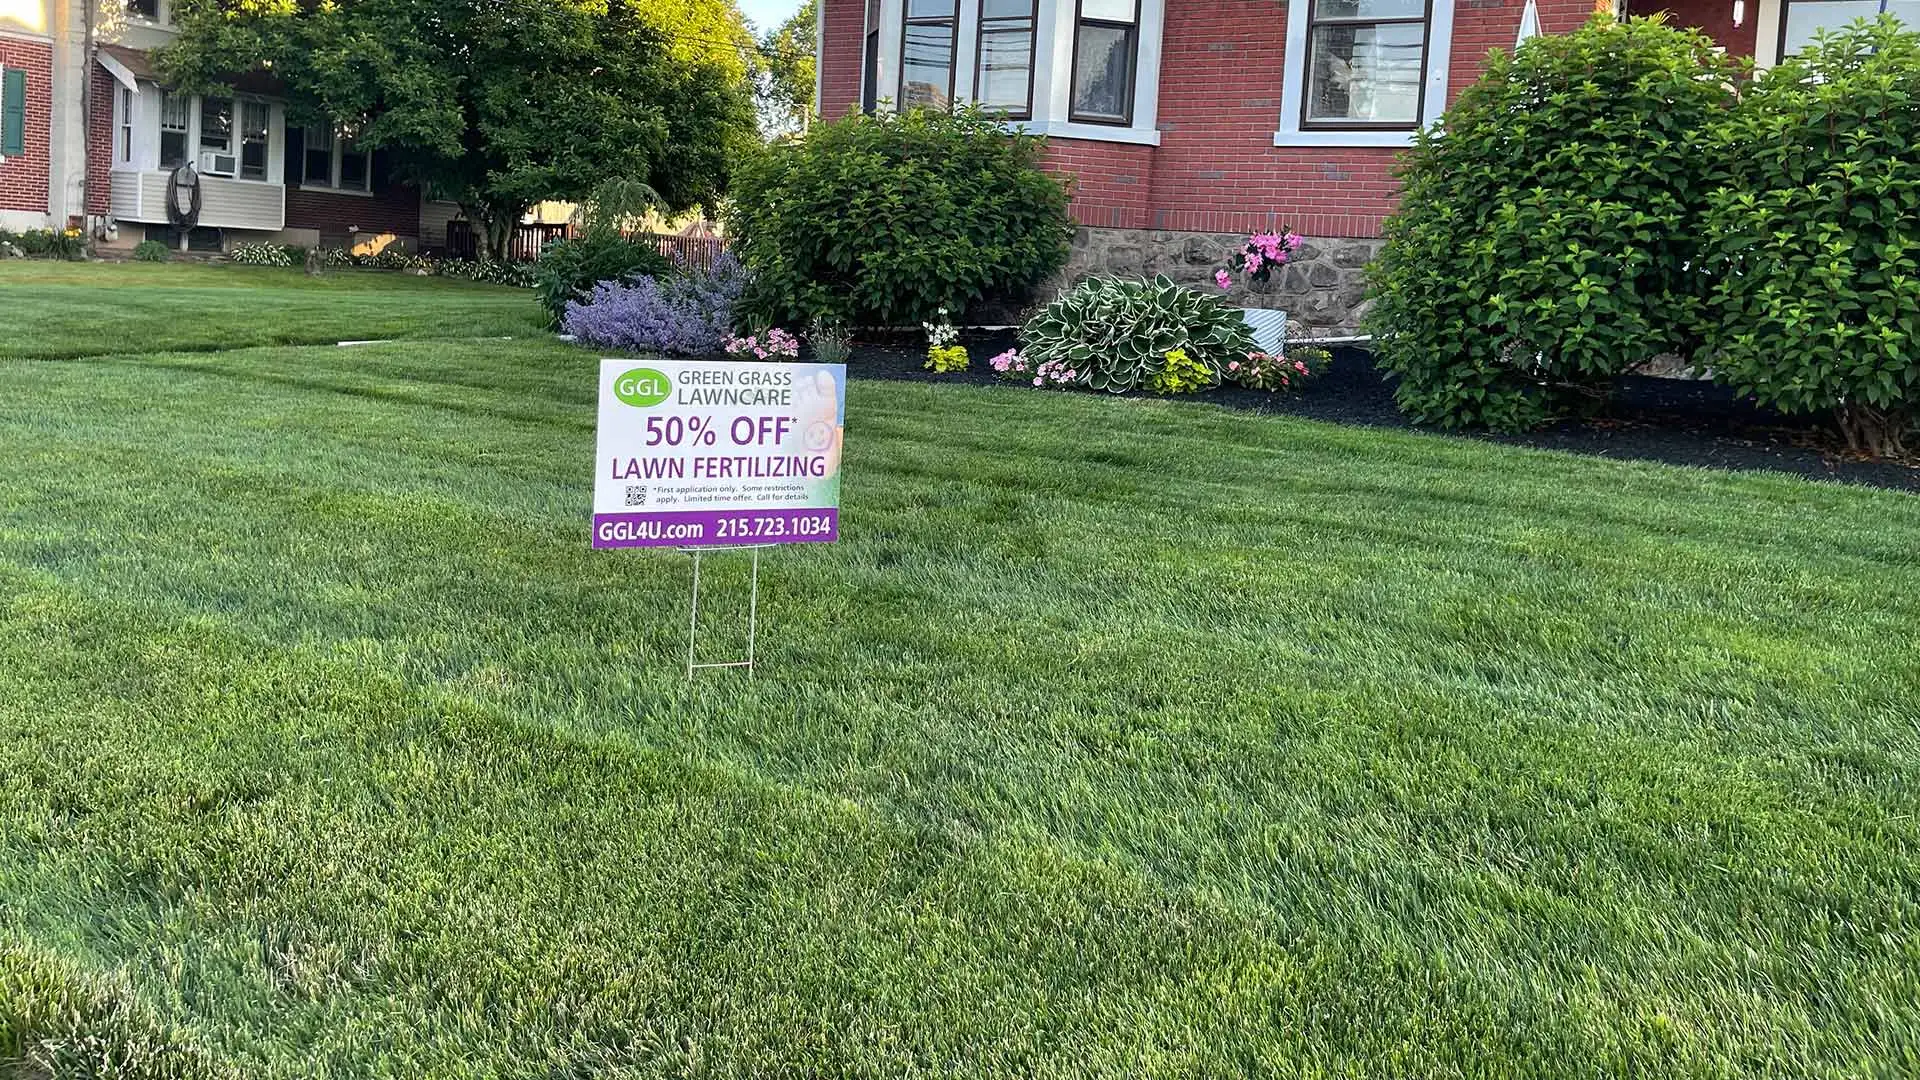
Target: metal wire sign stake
[(712, 456)]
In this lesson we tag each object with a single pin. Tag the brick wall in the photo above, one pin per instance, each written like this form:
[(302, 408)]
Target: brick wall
[(24, 178), (392, 208), (1223, 65), (841, 57), (100, 142)]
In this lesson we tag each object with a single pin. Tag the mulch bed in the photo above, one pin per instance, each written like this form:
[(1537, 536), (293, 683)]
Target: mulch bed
[(1677, 421)]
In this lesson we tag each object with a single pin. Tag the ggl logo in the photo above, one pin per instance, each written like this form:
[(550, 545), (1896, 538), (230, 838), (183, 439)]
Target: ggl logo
[(642, 387)]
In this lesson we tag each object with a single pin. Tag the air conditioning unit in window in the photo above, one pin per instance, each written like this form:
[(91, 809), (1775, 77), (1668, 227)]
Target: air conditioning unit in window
[(214, 163)]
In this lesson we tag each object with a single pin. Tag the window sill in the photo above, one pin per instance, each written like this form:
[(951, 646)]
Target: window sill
[(1066, 129), (328, 189), (1358, 137)]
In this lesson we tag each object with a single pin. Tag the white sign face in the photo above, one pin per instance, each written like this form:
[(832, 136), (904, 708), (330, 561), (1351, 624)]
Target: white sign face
[(697, 453)]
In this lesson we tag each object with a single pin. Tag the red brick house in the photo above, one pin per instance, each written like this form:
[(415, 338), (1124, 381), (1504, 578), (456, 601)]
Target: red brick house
[(90, 136), (1186, 124)]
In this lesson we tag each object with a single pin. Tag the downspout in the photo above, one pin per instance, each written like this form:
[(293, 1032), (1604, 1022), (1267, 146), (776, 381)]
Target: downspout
[(89, 11)]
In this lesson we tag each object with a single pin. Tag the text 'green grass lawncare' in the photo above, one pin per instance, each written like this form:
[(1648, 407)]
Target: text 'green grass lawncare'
[(697, 453)]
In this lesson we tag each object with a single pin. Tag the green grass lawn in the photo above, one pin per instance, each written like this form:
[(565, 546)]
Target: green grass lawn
[(1116, 738), (55, 309)]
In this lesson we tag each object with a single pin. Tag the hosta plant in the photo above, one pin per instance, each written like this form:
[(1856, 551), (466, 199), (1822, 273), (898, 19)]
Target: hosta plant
[(259, 255), (1115, 333)]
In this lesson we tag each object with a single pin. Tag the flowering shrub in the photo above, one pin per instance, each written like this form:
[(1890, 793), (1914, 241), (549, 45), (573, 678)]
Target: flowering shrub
[(254, 254), (942, 359), (1182, 374), (1056, 374), (1262, 371), (771, 343), (689, 314), (1261, 255), (1010, 365), (1115, 333)]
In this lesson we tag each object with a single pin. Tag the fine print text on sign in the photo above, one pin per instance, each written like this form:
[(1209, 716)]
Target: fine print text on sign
[(698, 453)]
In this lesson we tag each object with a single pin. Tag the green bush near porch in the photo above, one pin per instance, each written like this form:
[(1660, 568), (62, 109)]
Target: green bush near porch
[(1546, 241)]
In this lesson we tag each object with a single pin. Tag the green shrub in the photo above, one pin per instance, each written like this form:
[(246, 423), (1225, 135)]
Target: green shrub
[(296, 255), (884, 219), (1548, 229), (52, 243), (1115, 333), (259, 254), (335, 258), (151, 251), (1815, 236), (569, 269)]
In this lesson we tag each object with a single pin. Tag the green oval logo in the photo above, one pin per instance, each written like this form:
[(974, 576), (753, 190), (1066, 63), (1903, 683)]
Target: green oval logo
[(642, 387)]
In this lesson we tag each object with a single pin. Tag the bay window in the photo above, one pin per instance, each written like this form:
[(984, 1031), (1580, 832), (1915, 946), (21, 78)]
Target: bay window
[(174, 114), (1106, 46), (927, 45), (1366, 63), (1003, 70), (216, 124), (255, 124)]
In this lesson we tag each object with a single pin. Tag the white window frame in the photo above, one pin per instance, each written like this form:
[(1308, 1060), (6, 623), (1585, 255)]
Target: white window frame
[(1433, 103), (123, 127), (146, 155), (333, 181), (162, 15), (1052, 69)]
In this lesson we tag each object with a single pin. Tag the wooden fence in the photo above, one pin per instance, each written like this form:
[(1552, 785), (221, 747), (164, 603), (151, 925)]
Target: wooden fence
[(525, 245), (684, 251)]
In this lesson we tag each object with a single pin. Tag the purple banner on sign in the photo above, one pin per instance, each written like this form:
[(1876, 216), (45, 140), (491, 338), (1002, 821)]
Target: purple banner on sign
[(716, 528)]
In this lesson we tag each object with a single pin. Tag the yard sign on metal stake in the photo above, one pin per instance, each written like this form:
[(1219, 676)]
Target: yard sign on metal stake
[(718, 456)]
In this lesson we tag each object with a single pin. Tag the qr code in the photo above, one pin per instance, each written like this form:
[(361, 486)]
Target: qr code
[(636, 495)]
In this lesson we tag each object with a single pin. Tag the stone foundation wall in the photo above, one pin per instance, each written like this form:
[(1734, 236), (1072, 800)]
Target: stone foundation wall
[(1323, 288)]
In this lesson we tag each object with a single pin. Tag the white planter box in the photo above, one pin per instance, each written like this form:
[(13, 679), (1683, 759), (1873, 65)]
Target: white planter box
[(1269, 328)]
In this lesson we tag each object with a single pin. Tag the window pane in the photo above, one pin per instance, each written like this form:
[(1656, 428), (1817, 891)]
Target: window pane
[(1369, 9), (926, 67), (1005, 61), (353, 169), (216, 123), (1006, 9), (173, 149), (930, 9), (869, 91), (173, 111), (1806, 18), (1120, 11), (318, 168), (1366, 73), (1103, 73)]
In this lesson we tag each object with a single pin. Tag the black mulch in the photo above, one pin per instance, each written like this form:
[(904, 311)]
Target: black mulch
[(1680, 422)]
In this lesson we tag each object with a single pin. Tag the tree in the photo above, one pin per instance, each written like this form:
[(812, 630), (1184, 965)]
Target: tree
[(787, 71), (498, 104)]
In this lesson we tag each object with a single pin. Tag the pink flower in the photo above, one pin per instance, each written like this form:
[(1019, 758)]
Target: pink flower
[(1294, 241), (1299, 366), (1223, 279), (1037, 380), (1235, 366)]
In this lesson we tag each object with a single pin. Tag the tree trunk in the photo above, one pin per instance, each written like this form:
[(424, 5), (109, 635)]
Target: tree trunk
[(1875, 432)]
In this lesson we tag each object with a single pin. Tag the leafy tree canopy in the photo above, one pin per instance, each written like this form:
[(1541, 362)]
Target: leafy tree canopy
[(787, 70), (498, 104)]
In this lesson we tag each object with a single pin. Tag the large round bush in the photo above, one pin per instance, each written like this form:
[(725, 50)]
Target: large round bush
[(1816, 236), (1546, 236), (885, 219), (568, 270)]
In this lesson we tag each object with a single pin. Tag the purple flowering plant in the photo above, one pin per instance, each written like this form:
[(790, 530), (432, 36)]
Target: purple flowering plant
[(688, 314)]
